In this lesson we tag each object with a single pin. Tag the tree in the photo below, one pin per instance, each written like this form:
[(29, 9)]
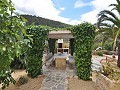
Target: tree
[(107, 16), (106, 34), (12, 41)]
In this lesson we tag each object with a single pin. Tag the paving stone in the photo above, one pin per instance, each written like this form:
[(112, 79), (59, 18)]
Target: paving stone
[(46, 89), (58, 74), (48, 79), (56, 79), (48, 84), (54, 88), (61, 87)]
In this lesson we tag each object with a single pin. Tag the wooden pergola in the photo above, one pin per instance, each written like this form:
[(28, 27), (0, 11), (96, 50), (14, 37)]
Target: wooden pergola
[(60, 34), (60, 60)]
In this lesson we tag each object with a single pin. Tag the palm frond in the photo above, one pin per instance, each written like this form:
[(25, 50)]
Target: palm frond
[(100, 19), (106, 16), (107, 12), (116, 6), (118, 2), (113, 5), (106, 25), (115, 22)]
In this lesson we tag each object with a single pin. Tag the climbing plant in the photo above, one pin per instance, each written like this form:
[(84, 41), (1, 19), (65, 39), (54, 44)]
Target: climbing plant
[(35, 53), (51, 43), (84, 34), (12, 39)]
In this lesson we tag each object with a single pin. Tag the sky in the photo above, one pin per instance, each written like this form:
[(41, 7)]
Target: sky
[(67, 11)]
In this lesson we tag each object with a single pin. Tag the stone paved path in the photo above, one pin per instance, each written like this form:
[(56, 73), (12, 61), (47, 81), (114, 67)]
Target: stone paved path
[(56, 79)]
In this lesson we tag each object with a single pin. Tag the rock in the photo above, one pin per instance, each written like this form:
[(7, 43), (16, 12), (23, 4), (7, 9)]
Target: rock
[(76, 77)]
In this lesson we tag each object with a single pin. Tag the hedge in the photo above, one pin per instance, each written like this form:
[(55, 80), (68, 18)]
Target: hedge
[(35, 53), (84, 34)]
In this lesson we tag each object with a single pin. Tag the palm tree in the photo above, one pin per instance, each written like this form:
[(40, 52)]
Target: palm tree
[(107, 32), (107, 17)]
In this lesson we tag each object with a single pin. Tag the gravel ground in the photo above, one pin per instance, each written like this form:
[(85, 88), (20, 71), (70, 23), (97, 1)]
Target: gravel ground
[(33, 84), (75, 84)]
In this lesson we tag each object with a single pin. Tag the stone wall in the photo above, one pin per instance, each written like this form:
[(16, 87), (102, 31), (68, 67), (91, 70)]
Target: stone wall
[(104, 83), (94, 52)]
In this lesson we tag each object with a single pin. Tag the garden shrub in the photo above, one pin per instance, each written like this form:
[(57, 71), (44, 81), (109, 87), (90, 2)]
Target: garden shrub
[(6, 78), (108, 46), (107, 70), (99, 53), (96, 45), (35, 53), (84, 34), (12, 40), (110, 72), (18, 63)]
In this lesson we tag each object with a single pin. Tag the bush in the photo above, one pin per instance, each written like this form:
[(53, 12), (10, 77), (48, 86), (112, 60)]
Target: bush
[(99, 53), (6, 78), (96, 45), (35, 53), (18, 63), (107, 70), (84, 35), (108, 46), (12, 39), (110, 72)]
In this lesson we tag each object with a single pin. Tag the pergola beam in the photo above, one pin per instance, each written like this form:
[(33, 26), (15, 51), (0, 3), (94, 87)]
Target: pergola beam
[(61, 34)]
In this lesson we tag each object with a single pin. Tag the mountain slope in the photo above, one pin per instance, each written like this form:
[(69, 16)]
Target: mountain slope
[(42, 21)]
